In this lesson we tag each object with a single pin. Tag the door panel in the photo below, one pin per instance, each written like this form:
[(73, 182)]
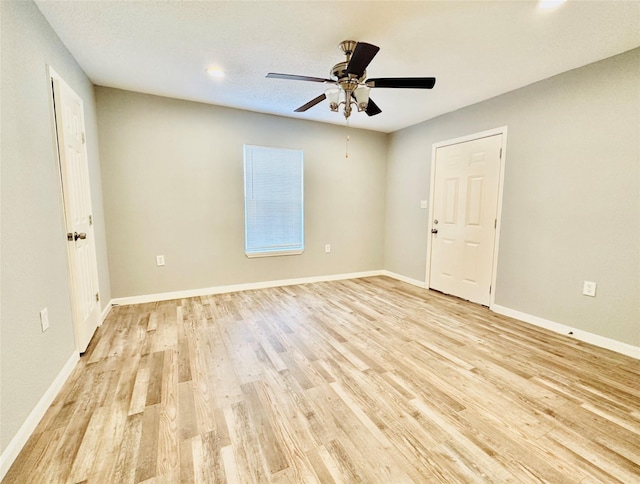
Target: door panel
[(451, 197), (474, 201), (465, 203), (74, 171), (470, 262), (448, 270)]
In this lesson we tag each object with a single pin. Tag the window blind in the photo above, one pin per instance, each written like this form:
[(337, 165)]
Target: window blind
[(273, 201)]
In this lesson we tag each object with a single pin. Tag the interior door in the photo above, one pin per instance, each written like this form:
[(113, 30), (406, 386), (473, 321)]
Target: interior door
[(465, 204), (74, 170)]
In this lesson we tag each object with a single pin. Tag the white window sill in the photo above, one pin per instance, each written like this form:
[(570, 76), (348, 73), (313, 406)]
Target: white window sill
[(255, 255)]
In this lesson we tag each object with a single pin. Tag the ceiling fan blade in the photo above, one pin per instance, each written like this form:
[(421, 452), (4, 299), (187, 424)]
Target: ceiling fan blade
[(292, 77), (372, 108), (362, 55), (311, 103), (403, 82)]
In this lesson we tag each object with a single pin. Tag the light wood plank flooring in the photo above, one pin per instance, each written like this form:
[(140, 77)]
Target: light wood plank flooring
[(369, 380)]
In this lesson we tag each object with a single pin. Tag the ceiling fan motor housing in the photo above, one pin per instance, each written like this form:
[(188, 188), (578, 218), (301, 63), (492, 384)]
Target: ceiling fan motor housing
[(339, 72), (348, 82)]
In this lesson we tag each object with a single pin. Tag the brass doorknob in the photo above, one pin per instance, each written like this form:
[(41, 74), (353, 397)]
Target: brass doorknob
[(80, 235)]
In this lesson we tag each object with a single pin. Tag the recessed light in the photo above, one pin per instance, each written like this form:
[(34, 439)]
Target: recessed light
[(549, 4), (215, 71)]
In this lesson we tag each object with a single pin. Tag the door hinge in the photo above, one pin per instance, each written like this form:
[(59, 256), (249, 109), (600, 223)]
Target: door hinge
[(495, 223), (489, 289), (500, 153), (83, 140), (90, 219), (97, 296)]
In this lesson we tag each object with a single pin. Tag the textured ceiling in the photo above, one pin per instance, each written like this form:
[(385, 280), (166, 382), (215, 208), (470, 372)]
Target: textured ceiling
[(476, 49)]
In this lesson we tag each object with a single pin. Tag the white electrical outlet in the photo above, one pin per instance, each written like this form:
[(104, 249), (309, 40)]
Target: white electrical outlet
[(327, 248), (589, 288), (44, 319), (424, 204), (159, 260)]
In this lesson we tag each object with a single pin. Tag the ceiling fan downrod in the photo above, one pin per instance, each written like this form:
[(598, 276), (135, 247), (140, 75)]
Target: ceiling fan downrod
[(348, 46)]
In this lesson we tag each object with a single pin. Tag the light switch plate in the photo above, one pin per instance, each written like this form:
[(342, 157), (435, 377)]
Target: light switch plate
[(159, 260), (424, 204)]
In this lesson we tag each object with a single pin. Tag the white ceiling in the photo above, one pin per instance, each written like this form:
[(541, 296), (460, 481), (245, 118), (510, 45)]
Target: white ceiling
[(475, 49)]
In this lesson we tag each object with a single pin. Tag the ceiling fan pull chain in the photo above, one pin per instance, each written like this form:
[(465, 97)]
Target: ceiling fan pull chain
[(346, 154)]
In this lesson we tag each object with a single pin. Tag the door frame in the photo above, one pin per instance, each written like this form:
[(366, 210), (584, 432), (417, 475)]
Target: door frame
[(463, 139), (51, 76)]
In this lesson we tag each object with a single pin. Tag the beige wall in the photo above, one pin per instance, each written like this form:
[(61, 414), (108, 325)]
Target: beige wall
[(34, 272), (571, 209), (172, 176)]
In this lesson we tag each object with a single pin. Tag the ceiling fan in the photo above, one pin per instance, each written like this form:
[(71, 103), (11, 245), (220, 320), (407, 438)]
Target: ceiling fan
[(349, 84)]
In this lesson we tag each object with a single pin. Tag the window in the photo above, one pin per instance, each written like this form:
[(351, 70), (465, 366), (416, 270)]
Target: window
[(273, 201)]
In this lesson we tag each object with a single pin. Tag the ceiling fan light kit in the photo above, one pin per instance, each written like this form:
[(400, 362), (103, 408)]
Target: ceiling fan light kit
[(333, 95), (336, 96), (362, 97), (349, 86)]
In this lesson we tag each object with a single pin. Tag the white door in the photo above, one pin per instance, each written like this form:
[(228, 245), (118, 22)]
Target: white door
[(465, 204), (74, 170)]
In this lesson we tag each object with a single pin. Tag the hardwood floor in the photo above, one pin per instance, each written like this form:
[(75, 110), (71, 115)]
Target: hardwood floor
[(368, 380)]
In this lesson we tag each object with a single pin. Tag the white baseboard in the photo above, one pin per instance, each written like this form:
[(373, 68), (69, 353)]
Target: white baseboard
[(208, 291), (585, 336), (20, 439), (408, 280)]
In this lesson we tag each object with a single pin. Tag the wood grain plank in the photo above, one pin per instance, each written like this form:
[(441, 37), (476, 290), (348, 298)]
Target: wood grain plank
[(147, 463), (168, 438), (126, 460)]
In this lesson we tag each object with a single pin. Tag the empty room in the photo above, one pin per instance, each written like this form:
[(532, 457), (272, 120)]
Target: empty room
[(319, 241)]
